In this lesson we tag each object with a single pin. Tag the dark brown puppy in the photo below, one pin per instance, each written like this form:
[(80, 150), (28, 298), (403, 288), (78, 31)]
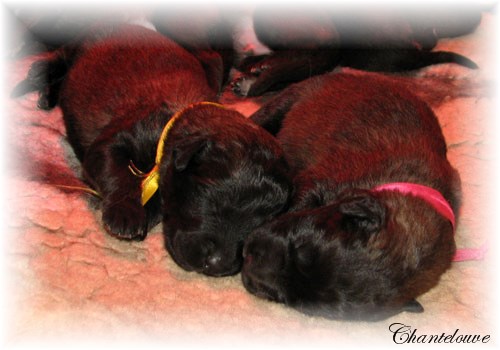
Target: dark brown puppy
[(220, 175), (345, 250), (312, 40)]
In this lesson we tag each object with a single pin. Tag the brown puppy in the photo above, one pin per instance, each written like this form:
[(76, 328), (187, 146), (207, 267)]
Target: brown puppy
[(350, 248), (220, 175)]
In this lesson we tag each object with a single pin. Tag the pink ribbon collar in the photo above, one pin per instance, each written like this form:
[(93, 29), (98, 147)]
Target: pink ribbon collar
[(430, 195), (441, 205)]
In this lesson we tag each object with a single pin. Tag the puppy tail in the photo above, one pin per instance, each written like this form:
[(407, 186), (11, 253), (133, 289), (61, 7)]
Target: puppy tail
[(437, 57), (44, 76)]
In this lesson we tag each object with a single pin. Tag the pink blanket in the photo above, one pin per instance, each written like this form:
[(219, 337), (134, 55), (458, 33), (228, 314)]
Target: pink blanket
[(67, 282)]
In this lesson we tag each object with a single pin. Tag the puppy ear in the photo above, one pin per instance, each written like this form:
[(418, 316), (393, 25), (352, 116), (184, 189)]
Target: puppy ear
[(413, 306), (188, 149), (362, 212)]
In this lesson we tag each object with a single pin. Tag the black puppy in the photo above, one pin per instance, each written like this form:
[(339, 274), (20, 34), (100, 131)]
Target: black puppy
[(313, 40), (220, 175), (370, 226)]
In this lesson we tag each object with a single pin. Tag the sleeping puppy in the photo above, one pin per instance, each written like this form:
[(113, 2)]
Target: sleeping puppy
[(137, 111), (370, 225), (314, 40)]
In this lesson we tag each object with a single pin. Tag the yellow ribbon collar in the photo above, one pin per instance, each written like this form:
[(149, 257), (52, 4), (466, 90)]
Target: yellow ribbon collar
[(150, 183)]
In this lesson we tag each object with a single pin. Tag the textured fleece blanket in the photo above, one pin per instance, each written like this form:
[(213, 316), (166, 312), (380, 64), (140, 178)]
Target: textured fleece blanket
[(68, 282)]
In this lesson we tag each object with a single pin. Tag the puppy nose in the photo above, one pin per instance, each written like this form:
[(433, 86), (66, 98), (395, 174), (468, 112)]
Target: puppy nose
[(213, 261), (217, 264), (214, 264)]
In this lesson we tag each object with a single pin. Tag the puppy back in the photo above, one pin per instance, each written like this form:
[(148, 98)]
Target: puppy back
[(365, 130), (129, 74)]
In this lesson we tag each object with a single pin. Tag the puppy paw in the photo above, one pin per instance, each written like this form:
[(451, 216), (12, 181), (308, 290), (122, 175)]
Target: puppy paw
[(44, 102), (259, 68), (241, 85), (125, 220)]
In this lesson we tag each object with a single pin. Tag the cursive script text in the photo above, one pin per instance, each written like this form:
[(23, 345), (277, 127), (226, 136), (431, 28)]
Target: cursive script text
[(403, 334)]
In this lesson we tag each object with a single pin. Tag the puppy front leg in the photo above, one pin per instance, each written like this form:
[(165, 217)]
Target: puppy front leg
[(106, 167), (270, 116)]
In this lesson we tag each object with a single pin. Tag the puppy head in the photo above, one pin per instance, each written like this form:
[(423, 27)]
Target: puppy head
[(366, 256), (221, 177)]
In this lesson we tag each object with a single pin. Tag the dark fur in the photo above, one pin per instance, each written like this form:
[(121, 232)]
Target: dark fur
[(343, 251), (221, 175), (311, 41)]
